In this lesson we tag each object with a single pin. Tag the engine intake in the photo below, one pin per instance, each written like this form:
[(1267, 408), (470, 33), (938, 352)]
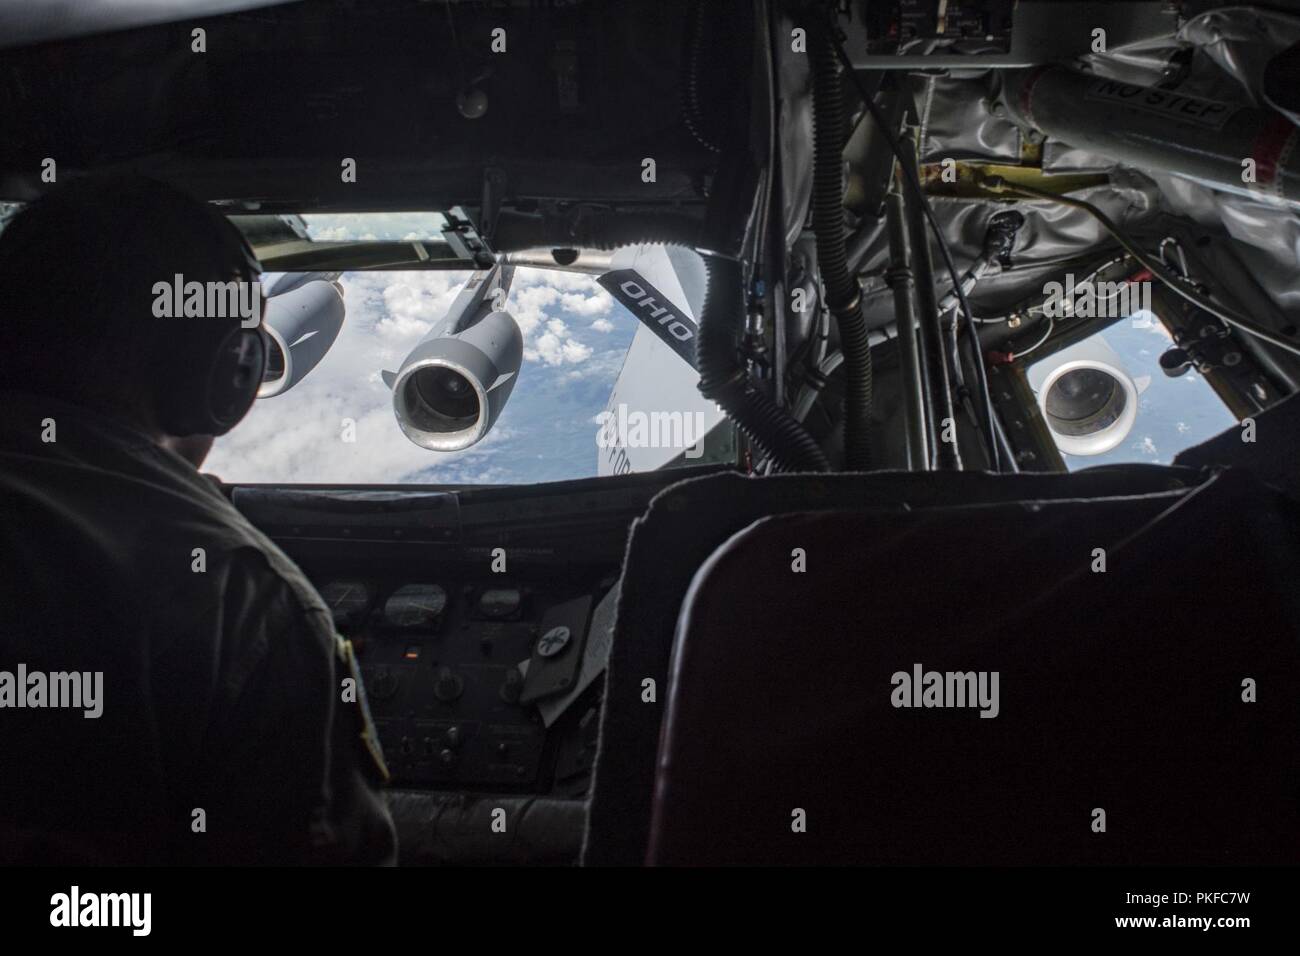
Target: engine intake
[(451, 388)]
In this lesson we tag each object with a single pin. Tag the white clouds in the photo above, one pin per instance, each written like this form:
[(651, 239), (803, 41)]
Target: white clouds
[(556, 346), (412, 302), (535, 296), (299, 436), (598, 303), (575, 352), (334, 234), (528, 306), (603, 325), (372, 226), (560, 281)]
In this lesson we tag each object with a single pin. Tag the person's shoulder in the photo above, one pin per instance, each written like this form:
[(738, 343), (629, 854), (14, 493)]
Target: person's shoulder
[(257, 579), (285, 570), (213, 516), (241, 570)]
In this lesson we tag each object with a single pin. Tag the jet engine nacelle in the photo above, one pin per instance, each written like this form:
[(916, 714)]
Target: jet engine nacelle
[(301, 324), (1087, 397), (451, 388)]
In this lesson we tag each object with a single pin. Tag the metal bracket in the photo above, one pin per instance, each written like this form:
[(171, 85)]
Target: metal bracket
[(463, 238), (494, 187)]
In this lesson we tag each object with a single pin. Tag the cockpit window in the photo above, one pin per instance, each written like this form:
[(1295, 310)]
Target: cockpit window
[(1106, 399), (374, 226), (338, 424)]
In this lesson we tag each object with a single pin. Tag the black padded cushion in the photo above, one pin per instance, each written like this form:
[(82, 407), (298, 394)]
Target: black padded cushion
[(686, 523), (1119, 690)]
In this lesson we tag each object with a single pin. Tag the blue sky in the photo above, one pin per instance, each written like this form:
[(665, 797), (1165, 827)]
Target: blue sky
[(575, 338), (1173, 413)]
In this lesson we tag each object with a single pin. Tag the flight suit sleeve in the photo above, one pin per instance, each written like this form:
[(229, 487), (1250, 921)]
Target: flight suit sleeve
[(292, 771)]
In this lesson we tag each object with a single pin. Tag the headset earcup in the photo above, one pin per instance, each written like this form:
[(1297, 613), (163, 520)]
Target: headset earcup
[(235, 378), (206, 387)]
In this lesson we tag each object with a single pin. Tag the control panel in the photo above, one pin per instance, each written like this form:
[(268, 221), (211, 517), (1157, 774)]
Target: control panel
[(895, 25), (479, 680), (455, 673)]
